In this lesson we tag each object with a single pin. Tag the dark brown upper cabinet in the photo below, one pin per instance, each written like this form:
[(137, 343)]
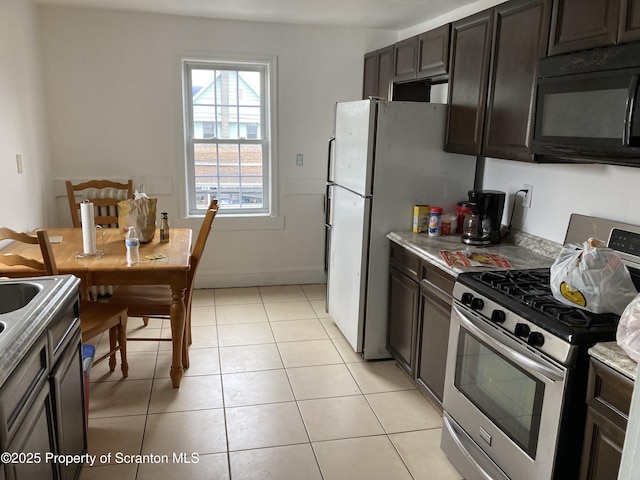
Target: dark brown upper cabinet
[(629, 25), (433, 53), (378, 73), (519, 41), (494, 59), (468, 79), (370, 79), (406, 60), (583, 24), (424, 56)]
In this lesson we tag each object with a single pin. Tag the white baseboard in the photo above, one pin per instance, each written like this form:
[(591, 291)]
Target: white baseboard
[(214, 279)]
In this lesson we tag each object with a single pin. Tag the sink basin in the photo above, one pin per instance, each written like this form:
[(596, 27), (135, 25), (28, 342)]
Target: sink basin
[(14, 296)]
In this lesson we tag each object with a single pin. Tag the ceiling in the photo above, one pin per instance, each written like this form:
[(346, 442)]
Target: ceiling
[(383, 14)]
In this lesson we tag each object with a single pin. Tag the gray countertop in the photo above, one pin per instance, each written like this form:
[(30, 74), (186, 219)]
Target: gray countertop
[(612, 355), (428, 248), (33, 319), (521, 256)]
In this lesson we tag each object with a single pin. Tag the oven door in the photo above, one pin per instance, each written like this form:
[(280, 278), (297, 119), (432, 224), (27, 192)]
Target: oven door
[(503, 403)]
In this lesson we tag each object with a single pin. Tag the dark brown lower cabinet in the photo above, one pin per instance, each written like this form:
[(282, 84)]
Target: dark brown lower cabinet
[(404, 294), (436, 287), (608, 400), (403, 309), (419, 315)]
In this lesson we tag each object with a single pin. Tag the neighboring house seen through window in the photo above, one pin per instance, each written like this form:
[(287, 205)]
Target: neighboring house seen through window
[(228, 136)]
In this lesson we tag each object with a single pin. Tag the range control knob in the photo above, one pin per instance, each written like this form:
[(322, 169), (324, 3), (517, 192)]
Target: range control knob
[(536, 339), (477, 304), (466, 298), (522, 330), (498, 316)]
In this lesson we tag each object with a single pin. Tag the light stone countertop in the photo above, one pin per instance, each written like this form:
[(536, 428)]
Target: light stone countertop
[(612, 355), (526, 252), (428, 248)]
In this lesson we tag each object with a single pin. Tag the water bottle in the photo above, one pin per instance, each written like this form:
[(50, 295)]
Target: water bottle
[(133, 243)]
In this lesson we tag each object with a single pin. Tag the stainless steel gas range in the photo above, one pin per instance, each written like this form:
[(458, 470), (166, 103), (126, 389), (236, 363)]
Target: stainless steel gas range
[(514, 399)]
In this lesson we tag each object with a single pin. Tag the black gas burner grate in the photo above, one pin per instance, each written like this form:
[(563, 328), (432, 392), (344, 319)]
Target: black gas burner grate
[(532, 291)]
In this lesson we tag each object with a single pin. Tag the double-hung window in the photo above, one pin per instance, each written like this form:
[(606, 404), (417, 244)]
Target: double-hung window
[(228, 136)]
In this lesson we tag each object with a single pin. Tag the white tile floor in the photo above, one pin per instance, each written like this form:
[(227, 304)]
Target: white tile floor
[(274, 391)]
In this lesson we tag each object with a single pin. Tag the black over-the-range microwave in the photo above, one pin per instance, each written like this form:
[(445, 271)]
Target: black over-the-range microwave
[(587, 107)]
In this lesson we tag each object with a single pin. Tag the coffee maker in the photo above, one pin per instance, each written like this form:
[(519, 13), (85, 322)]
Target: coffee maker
[(482, 225)]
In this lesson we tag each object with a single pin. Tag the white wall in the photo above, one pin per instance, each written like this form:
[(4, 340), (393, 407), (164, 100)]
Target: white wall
[(113, 91), (604, 191), (25, 198)]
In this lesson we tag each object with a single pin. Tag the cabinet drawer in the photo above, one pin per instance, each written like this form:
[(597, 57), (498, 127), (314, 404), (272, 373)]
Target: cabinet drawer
[(442, 280), (609, 393), (404, 260)]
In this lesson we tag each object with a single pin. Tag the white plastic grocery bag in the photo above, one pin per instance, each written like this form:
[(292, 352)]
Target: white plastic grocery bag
[(592, 276)]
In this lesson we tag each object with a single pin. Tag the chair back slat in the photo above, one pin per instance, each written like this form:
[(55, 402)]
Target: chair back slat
[(105, 196), (46, 264)]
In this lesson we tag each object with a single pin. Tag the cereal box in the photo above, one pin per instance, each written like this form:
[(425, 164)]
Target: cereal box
[(420, 218)]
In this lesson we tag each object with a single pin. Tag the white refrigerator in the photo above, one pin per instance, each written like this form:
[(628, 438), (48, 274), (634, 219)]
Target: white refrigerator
[(384, 157)]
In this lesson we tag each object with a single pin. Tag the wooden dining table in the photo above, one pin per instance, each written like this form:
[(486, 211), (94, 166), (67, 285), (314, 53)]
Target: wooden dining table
[(110, 268)]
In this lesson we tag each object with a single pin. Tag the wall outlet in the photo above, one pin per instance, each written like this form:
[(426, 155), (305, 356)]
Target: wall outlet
[(526, 198), (299, 159), (19, 162)]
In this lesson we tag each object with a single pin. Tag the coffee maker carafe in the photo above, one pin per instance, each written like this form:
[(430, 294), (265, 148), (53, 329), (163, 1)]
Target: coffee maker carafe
[(482, 225)]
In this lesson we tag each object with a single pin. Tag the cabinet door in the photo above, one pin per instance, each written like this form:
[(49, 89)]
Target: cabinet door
[(583, 24), (602, 448), (35, 435), (385, 72), (519, 41), (470, 56), (406, 58), (370, 80), (67, 383), (435, 314), (403, 313), (629, 27), (433, 52)]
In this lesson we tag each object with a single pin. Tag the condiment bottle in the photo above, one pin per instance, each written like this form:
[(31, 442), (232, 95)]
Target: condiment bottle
[(133, 244), (164, 227), (435, 220)]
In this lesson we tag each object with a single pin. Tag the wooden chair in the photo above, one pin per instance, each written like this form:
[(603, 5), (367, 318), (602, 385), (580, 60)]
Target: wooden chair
[(95, 318), (154, 301), (105, 196)]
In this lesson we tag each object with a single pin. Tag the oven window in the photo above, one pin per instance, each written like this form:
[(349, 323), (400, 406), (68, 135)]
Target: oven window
[(504, 392)]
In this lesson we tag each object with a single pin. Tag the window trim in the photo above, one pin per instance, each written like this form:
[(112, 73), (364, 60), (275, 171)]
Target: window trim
[(269, 97)]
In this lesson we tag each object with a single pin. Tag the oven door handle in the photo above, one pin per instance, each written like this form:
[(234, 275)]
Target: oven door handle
[(484, 332)]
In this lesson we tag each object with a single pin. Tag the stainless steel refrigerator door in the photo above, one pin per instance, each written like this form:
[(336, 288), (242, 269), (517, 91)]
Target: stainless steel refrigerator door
[(348, 255), (352, 163)]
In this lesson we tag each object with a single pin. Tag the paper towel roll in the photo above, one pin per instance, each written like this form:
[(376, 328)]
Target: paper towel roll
[(88, 228)]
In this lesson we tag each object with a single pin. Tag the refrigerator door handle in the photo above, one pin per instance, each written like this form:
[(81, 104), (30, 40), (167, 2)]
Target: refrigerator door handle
[(327, 207), (330, 160)]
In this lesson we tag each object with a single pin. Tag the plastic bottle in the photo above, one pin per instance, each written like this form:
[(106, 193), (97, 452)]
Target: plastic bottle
[(164, 227), (435, 221), (133, 244)]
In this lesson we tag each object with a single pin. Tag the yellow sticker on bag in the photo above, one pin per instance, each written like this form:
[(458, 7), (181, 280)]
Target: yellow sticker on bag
[(574, 296)]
